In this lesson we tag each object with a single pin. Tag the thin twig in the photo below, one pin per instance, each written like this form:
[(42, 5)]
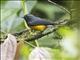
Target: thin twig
[(24, 7), (59, 6)]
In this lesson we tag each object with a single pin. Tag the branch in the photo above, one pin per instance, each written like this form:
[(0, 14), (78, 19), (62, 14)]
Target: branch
[(40, 35), (60, 23), (34, 37), (20, 33)]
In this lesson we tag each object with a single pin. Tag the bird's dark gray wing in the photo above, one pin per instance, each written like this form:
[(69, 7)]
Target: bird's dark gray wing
[(40, 22), (33, 20)]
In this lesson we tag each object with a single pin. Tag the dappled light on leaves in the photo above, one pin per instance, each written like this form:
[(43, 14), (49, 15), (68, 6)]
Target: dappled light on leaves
[(69, 42)]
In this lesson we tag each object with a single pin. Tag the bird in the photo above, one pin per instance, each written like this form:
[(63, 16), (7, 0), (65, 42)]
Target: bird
[(37, 23)]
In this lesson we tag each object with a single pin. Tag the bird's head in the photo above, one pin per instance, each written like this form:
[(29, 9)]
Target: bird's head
[(29, 17)]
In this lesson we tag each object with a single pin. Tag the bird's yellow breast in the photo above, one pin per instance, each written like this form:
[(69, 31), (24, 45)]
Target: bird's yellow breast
[(39, 27)]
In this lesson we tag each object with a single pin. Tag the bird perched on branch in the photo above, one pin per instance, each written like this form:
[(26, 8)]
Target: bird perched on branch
[(37, 23)]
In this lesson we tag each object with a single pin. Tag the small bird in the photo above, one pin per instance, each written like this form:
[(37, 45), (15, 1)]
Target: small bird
[(37, 23)]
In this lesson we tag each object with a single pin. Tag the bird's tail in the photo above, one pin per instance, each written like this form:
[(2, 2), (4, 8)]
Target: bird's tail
[(61, 22)]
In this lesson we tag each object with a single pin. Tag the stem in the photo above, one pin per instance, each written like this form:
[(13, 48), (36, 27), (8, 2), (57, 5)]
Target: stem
[(24, 7), (37, 44), (23, 3), (59, 6), (30, 44)]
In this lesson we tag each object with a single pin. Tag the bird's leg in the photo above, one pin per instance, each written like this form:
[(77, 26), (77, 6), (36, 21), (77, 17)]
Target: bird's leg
[(33, 32), (40, 32)]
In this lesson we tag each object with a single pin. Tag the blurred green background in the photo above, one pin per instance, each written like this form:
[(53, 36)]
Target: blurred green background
[(66, 44)]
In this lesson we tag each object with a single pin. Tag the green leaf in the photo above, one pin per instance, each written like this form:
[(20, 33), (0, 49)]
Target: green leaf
[(11, 20), (10, 23), (31, 4), (50, 11)]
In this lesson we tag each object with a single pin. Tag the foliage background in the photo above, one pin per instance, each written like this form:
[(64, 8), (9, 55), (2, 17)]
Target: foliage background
[(11, 21)]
